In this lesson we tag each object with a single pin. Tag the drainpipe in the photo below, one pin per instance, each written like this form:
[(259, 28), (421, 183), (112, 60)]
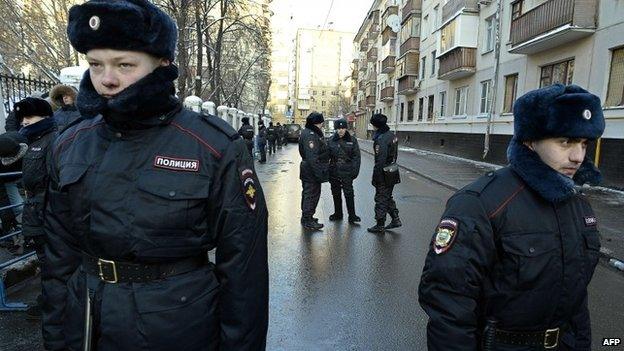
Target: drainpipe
[(497, 50)]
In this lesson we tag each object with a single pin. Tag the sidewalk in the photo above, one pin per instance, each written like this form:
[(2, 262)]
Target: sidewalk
[(455, 172)]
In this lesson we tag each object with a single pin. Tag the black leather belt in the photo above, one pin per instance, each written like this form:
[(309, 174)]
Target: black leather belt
[(128, 272), (548, 339)]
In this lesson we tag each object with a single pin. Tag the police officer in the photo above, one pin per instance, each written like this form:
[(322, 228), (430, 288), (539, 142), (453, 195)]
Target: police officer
[(39, 128), (262, 141), (344, 166), (64, 97), (313, 170), (512, 256), (271, 138), (386, 151), (280, 135), (247, 132), (140, 190)]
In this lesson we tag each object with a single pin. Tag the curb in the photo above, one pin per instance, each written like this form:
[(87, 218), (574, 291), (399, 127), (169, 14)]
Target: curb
[(605, 254)]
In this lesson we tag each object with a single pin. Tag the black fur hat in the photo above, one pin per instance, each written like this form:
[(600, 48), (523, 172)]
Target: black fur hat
[(32, 107), (378, 120), (341, 123), (133, 25), (315, 118), (245, 120), (558, 111)]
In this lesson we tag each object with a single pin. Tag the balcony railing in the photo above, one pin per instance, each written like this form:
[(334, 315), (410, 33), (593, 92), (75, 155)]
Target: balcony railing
[(373, 32), (457, 63), (371, 100), (409, 65), (407, 85), (410, 8), (453, 6), (362, 85), (371, 78), (580, 14), (388, 64), (410, 45), (387, 94), (387, 34), (372, 54), (391, 9), (361, 105), (364, 46)]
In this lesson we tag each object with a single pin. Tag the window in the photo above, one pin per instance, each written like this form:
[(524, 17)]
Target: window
[(323, 103), (561, 72), (435, 18), (486, 96), (442, 103), (615, 90), (430, 105), (516, 9), (447, 37), (402, 111), (423, 67), (421, 102), (410, 111), (323, 92), (410, 29), (460, 101), (425, 27), (511, 89), (433, 62), (488, 40)]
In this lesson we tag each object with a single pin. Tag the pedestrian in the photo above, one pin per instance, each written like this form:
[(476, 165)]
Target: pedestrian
[(271, 138), (140, 190), (64, 97), (247, 132), (386, 148), (280, 135), (344, 167), (39, 128), (512, 256), (262, 141), (313, 170), (13, 147)]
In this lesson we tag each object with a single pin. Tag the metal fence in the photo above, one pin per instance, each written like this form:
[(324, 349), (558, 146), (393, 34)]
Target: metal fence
[(17, 87)]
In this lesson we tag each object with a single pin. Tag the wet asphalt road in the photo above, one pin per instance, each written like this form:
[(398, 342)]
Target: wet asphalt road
[(343, 288)]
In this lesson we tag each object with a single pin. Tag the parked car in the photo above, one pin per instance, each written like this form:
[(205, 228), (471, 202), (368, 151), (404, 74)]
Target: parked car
[(293, 132)]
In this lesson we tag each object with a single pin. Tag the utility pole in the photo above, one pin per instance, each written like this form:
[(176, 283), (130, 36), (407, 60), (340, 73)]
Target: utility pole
[(492, 110)]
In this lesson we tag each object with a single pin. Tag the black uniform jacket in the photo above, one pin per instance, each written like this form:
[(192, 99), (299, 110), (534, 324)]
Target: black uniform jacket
[(177, 189), (271, 133), (246, 131), (345, 157), (314, 156), (505, 252), (386, 147)]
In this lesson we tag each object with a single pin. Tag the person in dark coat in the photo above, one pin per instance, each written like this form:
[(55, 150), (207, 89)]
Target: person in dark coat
[(262, 141), (13, 147), (344, 167), (510, 260), (140, 190), (280, 135), (386, 148), (64, 97), (313, 170), (272, 138), (247, 132)]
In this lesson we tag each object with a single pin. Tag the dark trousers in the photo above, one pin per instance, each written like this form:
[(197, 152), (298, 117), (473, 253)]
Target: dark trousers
[(384, 203), (310, 197), (272, 148), (250, 146), (339, 186), (262, 152)]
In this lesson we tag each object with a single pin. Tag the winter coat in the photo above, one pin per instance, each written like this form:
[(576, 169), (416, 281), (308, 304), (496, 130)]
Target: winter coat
[(386, 148), (314, 153), (344, 161)]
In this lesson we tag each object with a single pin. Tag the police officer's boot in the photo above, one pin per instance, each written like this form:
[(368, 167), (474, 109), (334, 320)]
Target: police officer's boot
[(337, 207), (311, 224), (378, 228), (396, 221), (353, 218)]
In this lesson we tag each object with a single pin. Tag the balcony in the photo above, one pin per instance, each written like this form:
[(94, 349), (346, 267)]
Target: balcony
[(551, 24), (362, 67), (361, 105), (410, 45), (354, 74), (408, 85), (391, 9), (362, 84), (387, 34), (371, 79), (457, 63), (371, 56), (374, 18), (387, 94), (412, 7), (408, 65), (387, 65), (373, 32), (364, 46), (371, 100), (453, 6)]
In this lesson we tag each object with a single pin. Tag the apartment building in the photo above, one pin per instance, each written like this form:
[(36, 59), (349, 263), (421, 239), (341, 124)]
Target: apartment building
[(444, 85)]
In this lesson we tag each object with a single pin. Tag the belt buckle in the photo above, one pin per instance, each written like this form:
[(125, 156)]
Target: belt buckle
[(551, 338), (113, 267)]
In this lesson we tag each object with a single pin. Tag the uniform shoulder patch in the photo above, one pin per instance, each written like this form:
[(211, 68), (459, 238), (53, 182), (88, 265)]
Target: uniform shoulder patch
[(221, 126), (249, 187), (446, 233)]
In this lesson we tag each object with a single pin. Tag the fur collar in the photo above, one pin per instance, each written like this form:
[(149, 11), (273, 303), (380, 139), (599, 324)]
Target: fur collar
[(139, 106), (315, 129), (6, 161), (36, 130), (381, 130), (347, 137), (550, 184)]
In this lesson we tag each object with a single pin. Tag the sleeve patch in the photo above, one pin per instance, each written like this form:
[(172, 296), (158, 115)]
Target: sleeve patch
[(249, 188), (445, 235)]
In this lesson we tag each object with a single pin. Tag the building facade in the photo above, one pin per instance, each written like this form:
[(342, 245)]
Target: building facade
[(447, 76)]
